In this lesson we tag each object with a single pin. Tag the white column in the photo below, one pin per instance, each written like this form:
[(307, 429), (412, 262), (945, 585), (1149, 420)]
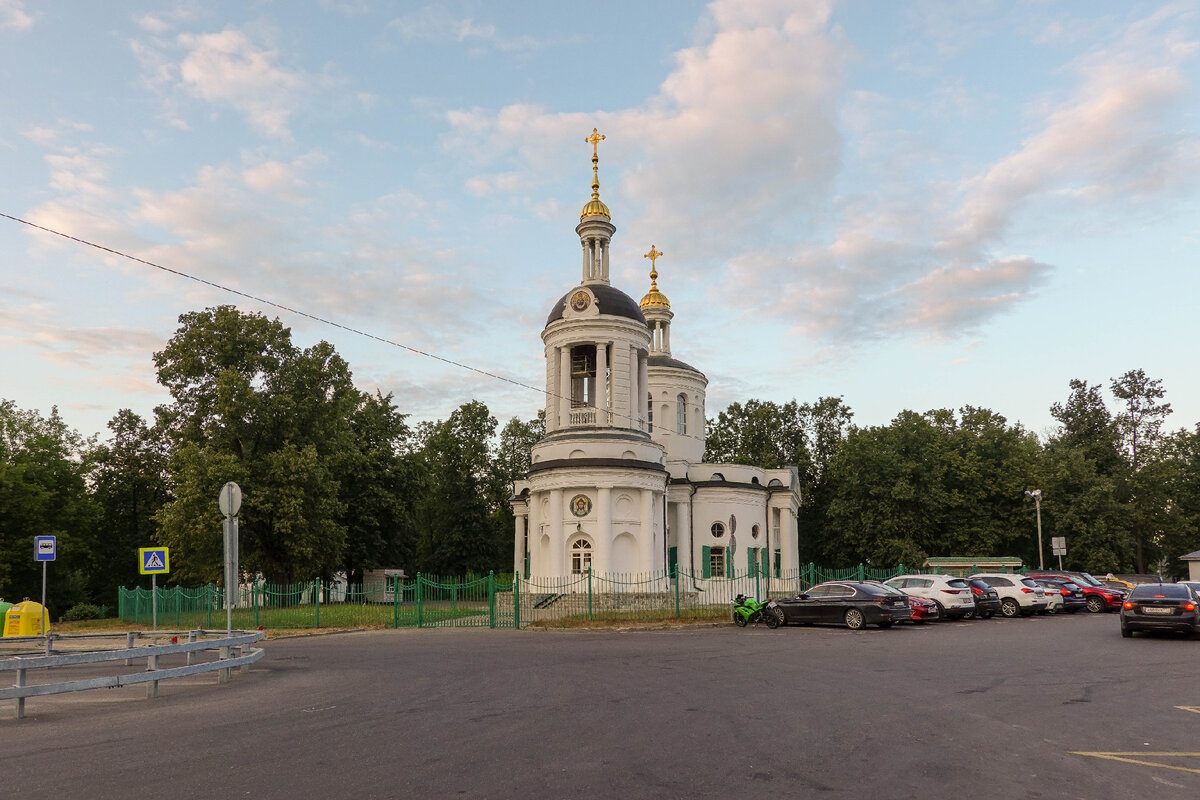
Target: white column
[(519, 523), (584, 244), (647, 535), (602, 401), (602, 555), (558, 546), (683, 535), (666, 338), (643, 381), (635, 401), (536, 567), (604, 260), (564, 387), (789, 559)]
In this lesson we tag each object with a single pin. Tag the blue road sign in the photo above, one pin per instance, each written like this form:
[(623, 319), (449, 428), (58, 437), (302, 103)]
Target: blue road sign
[(153, 561), (43, 548)]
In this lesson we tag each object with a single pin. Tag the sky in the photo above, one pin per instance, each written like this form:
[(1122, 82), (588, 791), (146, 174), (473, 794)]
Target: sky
[(910, 205)]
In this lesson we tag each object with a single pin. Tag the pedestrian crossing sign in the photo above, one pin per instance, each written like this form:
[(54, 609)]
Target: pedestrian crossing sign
[(153, 560)]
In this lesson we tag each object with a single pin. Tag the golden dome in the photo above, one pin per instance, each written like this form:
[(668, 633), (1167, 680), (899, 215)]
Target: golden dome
[(594, 207), (654, 297)]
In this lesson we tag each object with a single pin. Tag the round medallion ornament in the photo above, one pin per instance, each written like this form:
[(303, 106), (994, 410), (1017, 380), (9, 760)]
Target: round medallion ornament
[(581, 300), (581, 505)]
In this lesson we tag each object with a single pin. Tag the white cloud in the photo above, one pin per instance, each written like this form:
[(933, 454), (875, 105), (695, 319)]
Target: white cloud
[(227, 68), (14, 17), (435, 23)]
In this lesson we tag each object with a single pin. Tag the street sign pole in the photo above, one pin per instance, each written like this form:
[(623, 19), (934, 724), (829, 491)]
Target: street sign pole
[(153, 602), (43, 614), (230, 502), (45, 548)]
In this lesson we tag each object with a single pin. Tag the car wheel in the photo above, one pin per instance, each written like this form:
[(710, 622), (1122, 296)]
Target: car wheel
[(775, 617), (969, 615), (1095, 604), (941, 610), (1009, 607), (854, 619), (1128, 634)]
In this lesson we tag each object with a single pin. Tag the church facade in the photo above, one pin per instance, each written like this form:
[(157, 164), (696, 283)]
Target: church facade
[(618, 483)]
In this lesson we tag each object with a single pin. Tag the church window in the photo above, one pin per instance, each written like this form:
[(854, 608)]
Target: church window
[(716, 561), (754, 532), (718, 530), (581, 557), (681, 414), (650, 412)]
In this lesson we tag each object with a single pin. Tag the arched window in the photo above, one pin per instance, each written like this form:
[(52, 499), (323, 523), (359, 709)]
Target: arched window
[(650, 413), (581, 557), (681, 414), (754, 532), (718, 530)]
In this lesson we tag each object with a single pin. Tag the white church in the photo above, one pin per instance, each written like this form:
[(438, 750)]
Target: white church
[(618, 483)]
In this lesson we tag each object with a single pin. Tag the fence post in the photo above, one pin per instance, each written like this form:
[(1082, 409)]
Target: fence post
[(317, 595), (517, 599), (589, 592), (675, 574), (209, 595), (491, 598), (757, 586), (420, 604), (178, 623), (396, 590), (862, 573)]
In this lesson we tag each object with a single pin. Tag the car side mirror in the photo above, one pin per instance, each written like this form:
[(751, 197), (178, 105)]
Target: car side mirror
[(802, 596)]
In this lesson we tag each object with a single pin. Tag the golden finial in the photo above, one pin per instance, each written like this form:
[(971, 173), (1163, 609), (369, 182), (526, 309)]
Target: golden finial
[(595, 207), (654, 297)]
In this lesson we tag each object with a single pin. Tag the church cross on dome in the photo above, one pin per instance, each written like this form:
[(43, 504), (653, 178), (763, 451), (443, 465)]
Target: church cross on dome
[(594, 140)]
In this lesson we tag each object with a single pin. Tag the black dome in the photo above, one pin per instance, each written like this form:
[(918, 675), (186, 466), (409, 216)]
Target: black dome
[(611, 302), (667, 361)]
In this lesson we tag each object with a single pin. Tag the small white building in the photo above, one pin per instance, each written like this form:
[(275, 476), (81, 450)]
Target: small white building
[(618, 485)]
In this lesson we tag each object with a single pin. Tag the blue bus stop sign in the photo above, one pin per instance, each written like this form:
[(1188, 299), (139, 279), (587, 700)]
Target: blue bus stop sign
[(43, 548)]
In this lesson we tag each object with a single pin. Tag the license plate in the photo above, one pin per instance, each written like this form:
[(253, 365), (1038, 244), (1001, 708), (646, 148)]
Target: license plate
[(1156, 610)]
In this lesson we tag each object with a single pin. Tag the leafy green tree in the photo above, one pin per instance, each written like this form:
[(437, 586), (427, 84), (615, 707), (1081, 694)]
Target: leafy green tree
[(456, 533), (128, 479), (251, 407), (1140, 425), (43, 493)]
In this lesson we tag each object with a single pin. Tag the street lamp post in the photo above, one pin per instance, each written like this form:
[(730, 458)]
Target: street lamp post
[(1036, 494)]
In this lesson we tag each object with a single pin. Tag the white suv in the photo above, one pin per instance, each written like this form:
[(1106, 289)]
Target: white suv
[(1018, 595), (953, 595)]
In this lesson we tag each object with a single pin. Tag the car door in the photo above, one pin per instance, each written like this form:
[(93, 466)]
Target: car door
[(803, 607), (834, 606)]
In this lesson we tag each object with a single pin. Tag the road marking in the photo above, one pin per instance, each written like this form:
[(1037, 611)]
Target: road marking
[(1193, 709), (1125, 758)]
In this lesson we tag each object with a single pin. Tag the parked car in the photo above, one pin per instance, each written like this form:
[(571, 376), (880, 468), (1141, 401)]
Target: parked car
[(1166, 606), (1071, 593), (1194, 584), (1113, 582), (1054, 600), (923, 610), (1019, 596), (854, 604), (1098, 596), (952, 595), (987, 600)]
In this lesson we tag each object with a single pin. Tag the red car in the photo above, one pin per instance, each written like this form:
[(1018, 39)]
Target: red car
[(1097, 596), (922, 609)]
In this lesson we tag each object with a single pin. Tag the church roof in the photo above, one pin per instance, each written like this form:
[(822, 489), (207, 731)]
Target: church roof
[(610, 301), (667, 361)]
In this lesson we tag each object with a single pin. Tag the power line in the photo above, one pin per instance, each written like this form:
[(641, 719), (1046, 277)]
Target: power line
[(273, 304)]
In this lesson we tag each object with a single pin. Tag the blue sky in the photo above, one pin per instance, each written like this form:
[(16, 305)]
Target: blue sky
[(911, 205)]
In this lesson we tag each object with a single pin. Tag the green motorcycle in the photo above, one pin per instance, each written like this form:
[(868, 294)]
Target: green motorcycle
[(747, 610)]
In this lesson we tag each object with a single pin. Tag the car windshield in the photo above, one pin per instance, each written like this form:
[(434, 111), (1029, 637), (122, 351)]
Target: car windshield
[(958, 583), (1029, 582), (1167, 590), (1088, 580)]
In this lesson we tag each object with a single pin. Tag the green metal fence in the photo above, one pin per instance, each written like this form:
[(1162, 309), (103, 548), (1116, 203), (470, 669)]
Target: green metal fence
[(479, 601), (426, 601)]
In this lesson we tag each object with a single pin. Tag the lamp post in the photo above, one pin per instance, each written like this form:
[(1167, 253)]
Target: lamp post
[(1036, 494)]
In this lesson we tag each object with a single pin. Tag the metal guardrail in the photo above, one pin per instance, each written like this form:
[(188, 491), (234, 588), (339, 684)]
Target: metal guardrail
[(229, 655)]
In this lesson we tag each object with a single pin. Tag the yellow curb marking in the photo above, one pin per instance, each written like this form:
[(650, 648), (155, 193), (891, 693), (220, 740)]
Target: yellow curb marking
[(1123, 757)]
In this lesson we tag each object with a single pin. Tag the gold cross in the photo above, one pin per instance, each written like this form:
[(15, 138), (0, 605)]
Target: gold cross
[(595, 139), (652, 255)]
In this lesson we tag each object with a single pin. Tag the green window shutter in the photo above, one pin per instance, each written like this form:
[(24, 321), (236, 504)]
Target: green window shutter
[(750, 562), (706, 561), (764, 554), (672, 559), (728, 563)]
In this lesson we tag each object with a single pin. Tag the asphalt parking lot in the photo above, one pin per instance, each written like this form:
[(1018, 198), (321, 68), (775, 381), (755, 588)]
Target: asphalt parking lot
[(1054, 707)]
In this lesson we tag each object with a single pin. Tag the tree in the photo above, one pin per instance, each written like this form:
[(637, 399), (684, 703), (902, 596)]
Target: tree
[(43, 493), (251, 407), (455, 531), (128, 478), (1140, 425)]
